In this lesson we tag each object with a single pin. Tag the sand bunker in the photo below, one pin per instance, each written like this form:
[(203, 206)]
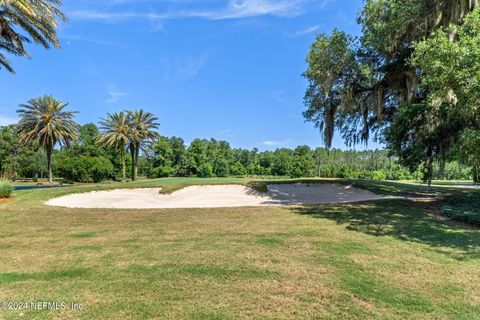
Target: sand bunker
[(216, 196)]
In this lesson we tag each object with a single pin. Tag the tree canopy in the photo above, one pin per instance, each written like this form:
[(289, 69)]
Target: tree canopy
[(416, 63), (45, 122)]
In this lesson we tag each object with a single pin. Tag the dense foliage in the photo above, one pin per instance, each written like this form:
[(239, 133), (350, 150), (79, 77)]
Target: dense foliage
[(411, 78), (92, 154), (85, 168), (207, 158), (470, 151), (17, 159), (87, 160)]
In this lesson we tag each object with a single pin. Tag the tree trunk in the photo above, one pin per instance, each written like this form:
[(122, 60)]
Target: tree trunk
[(429, 173), (441, 174), (132, 153), (475, 174), (15, 164), (49, 163), (124, 167), (137, 153)]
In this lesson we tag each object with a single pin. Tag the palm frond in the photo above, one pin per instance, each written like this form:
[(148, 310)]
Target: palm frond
[(143, 126), (44, 121), (39, 19), (115, 131)]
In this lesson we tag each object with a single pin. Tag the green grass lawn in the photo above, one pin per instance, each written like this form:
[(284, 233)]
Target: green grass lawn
[(386, 259)]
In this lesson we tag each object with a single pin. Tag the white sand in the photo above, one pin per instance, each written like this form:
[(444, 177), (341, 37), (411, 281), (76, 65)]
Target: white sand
[(216, 196)]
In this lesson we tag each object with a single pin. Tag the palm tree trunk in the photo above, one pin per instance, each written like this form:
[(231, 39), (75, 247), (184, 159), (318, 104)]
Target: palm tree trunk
[(124, 167), (49, 163), (132, 153), (137, 152)]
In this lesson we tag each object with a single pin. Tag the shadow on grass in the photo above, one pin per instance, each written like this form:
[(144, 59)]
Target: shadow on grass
[(390, 188), (403, 220), (395, 188)]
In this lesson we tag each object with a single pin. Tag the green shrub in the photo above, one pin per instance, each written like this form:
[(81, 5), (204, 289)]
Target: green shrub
[(345, 172), (85, 168), (163, 171), (5, 190), (205, 171), (464, 208), (399, 173), (221, 169), (237, 169), (379, 175), (363, 174)]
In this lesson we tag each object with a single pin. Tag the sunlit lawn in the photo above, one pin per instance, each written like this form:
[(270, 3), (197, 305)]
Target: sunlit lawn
[(386, 259)]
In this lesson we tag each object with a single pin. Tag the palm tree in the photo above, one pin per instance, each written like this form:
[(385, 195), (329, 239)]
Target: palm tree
[(143, 125), (115, 132), (38, 18), (44, 121)]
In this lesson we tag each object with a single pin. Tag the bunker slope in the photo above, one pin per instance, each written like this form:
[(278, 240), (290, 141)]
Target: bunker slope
[(216, 196)]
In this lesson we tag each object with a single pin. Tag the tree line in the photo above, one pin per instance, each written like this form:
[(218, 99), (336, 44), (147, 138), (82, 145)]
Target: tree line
[(127, 143), (214, 158)]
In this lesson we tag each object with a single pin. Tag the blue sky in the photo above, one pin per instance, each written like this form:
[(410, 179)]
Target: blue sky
[(228, 69)]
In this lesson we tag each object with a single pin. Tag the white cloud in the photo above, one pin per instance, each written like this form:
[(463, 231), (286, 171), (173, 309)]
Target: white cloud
[(278, 96), (306, 31), (93, 40), (227, 133), (250, 8), (114, 94), (112, 16), (184, 67), (274, 143), (189, 66), (235, 9), (6, 120), (157, 25)]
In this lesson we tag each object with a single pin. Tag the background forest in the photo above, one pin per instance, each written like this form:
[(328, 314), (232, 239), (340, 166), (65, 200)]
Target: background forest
[(88, 161)]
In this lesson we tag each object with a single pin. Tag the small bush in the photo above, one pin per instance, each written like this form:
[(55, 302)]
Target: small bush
[(221, 169), (162, 171), (237, 169), (399, 174), (85, 168), (379, 175), (5, 190), (205, 171)]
